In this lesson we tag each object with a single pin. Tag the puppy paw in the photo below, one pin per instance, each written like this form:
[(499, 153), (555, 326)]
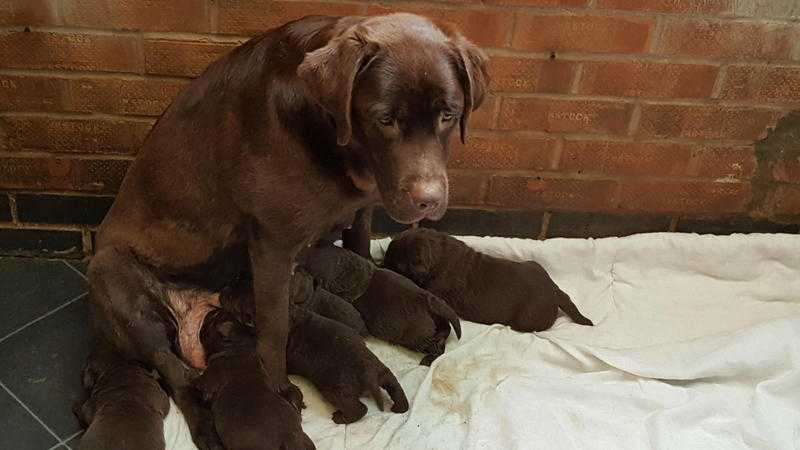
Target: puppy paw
[(349, 416), (293, 395)]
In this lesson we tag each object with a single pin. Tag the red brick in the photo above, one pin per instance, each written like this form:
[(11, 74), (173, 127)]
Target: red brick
[(537, 2), (122, 96), (530, 75), (484, 116), (182, 58), (727, 39), (786, 200), (705, 121), (29, 12), (551, 193), (150, 15), (597, 34), (467, 189), (69, 51), (730, 162), (645, 79), (250, 17), (762, 84), (26, 93), (624, 158), (482, 27), (73, 135), (493, 152), (699, 197), (90, 175), (674, 6), (572, 116)]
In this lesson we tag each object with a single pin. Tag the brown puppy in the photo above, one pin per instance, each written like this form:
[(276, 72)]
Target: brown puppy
[(479, 287), (316, 299), (126, 406), (393, 308), (275, 144), (335, 358), (398, 311), (337, 270), (248, 414)]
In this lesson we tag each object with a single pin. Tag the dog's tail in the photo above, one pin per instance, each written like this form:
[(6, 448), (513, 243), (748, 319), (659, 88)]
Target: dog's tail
[(566, 305), (437, 306)]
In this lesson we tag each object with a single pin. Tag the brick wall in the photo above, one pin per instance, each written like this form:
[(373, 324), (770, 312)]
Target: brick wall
[(606, 117)]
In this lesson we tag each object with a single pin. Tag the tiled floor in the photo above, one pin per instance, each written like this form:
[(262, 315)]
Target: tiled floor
[(43, 345)]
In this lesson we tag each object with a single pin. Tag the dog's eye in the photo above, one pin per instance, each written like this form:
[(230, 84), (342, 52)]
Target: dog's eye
[(447, 116), (386, 120)]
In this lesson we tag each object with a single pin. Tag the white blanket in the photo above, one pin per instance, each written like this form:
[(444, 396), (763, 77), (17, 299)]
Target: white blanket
[(696, 346)]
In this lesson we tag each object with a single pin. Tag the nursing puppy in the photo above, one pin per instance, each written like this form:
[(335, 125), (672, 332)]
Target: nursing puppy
[(479, 287), (334, 357), (393, 308), (126, 406), (306, 294), (398, 311), (248, 414), (337, 270)]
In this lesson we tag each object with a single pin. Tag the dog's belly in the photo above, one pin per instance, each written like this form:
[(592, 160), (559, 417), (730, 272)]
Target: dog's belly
[(189, 307)]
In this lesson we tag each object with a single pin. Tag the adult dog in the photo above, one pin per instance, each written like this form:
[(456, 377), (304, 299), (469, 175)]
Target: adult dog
[(278, 142)]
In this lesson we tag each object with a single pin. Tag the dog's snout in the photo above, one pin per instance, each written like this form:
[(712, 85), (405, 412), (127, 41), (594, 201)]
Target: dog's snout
[(426, 194)]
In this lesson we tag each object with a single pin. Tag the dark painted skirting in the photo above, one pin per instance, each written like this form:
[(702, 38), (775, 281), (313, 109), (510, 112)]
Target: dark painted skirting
[(583, 225), (62, 209), (48, 243)]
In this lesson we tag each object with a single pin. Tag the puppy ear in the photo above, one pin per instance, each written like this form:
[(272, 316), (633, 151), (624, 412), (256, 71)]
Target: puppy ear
[(474, 79), (330, 72)]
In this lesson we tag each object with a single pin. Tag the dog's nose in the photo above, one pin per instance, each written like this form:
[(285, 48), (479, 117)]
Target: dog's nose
[(426, 195)]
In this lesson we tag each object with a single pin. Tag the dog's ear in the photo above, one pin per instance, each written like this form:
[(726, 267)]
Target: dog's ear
[(474, 78), (330, 73)]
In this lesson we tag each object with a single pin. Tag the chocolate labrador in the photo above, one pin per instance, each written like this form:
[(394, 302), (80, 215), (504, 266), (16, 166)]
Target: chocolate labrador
[(306, 294), (393, 307), (126, 406), (335, 358), (481, 288), (273, 145), (248, 415)]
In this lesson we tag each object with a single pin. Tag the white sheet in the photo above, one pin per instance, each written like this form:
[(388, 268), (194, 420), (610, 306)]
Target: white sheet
[(696, 346)]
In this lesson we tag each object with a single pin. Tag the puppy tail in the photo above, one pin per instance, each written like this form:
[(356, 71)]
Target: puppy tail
[(566, 305), (437, 306)]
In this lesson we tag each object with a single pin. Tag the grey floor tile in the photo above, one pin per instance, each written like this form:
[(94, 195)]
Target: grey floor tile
[(41, 365), (20, 431), (30, 288)]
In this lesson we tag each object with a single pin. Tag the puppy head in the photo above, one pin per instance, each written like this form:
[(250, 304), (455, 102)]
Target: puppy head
[(414, 253), (397, 86), (222, 331)]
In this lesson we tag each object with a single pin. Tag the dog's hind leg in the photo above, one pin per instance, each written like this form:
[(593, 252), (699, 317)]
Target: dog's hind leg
[(125, 298)]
